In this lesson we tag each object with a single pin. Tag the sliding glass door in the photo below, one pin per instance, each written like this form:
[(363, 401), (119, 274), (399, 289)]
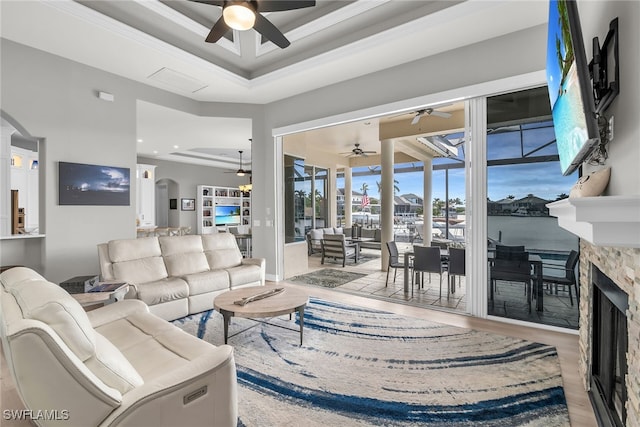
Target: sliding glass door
[(305, 192), (523, 175)]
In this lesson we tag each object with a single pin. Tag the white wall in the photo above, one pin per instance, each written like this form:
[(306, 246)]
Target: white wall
[(624, 150), (55, 98)]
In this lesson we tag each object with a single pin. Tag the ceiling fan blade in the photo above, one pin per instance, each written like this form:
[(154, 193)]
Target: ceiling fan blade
[(269, 31), (416, 119), (211, 2), (218, 30), (280, 5), (442, 114)]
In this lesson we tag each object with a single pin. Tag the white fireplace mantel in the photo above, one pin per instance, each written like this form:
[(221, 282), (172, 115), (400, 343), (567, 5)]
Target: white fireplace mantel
[(602, 221)]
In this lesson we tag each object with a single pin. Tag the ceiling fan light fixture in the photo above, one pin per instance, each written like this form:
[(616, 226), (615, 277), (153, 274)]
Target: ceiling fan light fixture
[(240, 172), (239, 15)]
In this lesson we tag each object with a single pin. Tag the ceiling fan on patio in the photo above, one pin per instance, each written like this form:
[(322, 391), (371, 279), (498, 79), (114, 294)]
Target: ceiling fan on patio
[(429, 112), (357, 151), (246, 14)]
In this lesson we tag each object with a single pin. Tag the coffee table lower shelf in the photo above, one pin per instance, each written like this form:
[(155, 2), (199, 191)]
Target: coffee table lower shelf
[(289, 301)]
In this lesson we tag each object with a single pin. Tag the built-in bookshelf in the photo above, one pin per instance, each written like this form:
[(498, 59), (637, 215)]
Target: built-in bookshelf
[(221, 207)]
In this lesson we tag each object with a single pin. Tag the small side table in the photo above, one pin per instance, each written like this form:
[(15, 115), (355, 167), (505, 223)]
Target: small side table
[(88, 299)]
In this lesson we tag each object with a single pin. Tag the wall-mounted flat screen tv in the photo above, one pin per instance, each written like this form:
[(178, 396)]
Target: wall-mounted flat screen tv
[(82, 184), (227, 215), (570, 87)]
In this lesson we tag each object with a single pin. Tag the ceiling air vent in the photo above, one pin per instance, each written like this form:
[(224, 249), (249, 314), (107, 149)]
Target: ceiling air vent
[(177, 80)]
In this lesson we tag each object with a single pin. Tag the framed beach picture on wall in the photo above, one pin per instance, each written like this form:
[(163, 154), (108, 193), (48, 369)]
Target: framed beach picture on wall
[(84, 184), (188, 204)]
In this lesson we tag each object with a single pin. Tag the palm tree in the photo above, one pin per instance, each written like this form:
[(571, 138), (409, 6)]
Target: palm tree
[(437, 206), (396, 189)]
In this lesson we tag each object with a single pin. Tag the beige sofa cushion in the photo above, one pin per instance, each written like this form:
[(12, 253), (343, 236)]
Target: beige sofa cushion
[(165, 290), (221, 250), (244, 274), (208, 281), (187, 263), (50, 304), (183, 255), (110, 365), (130, 249), (175, 245), (154, 348), (141, 270), (16, 275)]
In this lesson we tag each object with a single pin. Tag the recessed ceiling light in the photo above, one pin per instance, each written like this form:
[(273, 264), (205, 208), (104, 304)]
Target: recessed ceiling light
[(176, 146), (140, 140), (155, 151)]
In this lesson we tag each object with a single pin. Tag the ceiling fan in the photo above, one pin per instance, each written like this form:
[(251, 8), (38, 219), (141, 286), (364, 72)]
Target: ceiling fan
[(246, 14), (429, 112), (241, 171), (357, 151)]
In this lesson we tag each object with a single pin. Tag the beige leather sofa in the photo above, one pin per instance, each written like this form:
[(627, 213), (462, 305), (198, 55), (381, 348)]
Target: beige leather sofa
[(179, 275), (118, 365)]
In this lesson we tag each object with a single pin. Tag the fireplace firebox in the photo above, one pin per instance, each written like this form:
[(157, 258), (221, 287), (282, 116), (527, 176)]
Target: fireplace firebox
[(609, 346)]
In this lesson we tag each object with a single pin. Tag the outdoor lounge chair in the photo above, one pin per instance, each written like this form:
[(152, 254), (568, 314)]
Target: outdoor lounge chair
[(335, 246)]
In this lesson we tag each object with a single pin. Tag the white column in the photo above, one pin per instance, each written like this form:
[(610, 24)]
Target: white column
[(476, 215), (427, 202), (331, 198), (386, 199), (5, 180), (348, 194)]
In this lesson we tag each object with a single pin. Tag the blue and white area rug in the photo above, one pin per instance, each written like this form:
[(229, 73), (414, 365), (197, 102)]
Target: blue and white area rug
[(363, 367)]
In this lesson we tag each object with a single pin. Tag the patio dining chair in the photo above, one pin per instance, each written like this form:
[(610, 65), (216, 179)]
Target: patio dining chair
[(568, 279), (456, 265), (426, 259), (394, 261), (513, 267)]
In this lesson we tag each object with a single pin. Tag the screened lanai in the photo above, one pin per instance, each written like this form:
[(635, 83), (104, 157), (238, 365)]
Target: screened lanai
[(522, 175)]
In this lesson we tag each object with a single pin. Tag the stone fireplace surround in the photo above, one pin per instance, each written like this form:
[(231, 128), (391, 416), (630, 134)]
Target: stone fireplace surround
[(622, 265)]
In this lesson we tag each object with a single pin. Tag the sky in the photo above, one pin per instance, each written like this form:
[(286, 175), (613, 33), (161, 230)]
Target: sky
[(544, 180)]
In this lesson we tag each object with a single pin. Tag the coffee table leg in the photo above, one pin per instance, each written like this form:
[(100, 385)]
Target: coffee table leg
[(226, 318), (301, 314)]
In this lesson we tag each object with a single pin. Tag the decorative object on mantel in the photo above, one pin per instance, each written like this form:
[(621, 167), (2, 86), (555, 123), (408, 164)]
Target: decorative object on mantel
[(591, 185)]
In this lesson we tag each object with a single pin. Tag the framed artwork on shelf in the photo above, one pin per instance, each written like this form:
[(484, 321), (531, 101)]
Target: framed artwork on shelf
[(188, 204), (173, 203)]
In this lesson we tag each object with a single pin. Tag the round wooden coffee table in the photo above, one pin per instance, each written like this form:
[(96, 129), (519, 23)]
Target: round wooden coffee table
[(286, 302)]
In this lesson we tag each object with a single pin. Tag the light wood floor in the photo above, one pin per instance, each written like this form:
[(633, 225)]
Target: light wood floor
[(580, 411)]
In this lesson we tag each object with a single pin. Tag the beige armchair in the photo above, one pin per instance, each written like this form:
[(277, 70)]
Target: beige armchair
[(118, 365)]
